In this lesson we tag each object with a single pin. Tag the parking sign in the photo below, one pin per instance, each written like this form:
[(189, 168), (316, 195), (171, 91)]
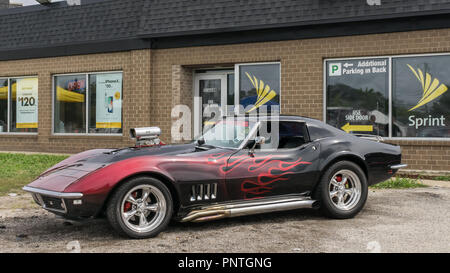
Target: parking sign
[(335, 69)]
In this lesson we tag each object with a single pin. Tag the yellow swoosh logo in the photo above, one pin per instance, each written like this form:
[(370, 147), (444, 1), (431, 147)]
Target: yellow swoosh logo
[(431, 88), (264, 92)]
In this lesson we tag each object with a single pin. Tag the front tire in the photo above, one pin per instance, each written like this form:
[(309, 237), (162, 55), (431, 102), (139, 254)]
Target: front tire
[(140, 208), (342, 190)]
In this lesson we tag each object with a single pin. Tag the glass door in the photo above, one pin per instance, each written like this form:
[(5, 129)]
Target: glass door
[(212, 90)]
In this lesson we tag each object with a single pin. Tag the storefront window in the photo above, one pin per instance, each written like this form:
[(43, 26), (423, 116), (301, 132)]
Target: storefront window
[(4, 105), (19, 104), (358, 101), (357, 94), (421, 101), (259, 84), (70, 104), (102, 97), (105, 103), (24, 105)]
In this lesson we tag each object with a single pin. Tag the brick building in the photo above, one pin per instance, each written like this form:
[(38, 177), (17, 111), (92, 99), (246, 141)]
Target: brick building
[(79, 77)]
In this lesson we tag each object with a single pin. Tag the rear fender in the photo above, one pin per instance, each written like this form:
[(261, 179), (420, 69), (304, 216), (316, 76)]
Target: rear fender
[(343, 154)]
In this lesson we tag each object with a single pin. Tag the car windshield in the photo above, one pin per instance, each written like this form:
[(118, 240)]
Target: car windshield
[(228, 133)]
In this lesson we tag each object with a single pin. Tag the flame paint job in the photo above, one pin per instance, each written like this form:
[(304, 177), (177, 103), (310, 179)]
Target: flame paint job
[(267, 168)]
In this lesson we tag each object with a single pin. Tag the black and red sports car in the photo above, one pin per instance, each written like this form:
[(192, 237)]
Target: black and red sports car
[(236, 168)]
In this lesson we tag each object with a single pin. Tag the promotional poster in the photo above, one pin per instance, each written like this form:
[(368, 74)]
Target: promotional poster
[(27, 103), (109, 101)]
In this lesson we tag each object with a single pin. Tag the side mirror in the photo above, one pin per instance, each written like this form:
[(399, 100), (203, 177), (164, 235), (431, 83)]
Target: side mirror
[(257, 141)]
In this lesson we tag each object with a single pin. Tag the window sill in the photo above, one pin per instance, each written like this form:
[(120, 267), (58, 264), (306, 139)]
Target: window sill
[(18, 135), (87, 136)]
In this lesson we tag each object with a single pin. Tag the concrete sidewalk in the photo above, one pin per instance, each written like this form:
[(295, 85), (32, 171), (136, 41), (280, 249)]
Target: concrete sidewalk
[(435, 183)]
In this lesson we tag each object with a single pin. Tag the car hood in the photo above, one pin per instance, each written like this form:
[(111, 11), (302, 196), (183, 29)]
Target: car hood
[(61, 175), (116, 155), (91, 160)]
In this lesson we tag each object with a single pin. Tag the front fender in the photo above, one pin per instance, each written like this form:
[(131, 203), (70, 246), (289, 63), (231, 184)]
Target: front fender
[(97, 185)]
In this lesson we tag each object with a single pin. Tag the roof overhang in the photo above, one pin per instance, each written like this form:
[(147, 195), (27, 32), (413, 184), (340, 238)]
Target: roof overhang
[(251, 34)]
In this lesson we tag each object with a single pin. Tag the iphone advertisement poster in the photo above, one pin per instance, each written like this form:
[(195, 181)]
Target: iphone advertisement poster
[(109, 101)]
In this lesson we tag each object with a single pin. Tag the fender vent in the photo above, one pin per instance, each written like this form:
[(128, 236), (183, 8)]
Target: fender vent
[(200, 192)]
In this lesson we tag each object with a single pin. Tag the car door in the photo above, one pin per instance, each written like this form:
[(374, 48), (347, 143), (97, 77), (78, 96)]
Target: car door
[(287, 165)]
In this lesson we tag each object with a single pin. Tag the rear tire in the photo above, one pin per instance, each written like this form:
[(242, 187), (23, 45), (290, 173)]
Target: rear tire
[(342, 190), (140, 208)]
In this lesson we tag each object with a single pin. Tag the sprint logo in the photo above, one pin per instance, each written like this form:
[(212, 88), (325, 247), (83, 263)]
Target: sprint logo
[(264, 92), (431, 87)]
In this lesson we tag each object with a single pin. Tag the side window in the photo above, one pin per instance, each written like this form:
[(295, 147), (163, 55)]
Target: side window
[(291, 135)]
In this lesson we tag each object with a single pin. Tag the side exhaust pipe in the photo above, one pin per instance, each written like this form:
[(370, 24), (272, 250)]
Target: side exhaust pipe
[(248, 208)]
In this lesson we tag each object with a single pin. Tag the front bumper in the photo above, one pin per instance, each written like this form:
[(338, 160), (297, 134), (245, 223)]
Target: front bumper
[(398, 166), (65, 204)]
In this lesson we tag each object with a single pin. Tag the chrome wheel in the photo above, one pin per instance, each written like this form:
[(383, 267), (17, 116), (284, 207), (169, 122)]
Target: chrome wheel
[(143, 208), (345, 189)]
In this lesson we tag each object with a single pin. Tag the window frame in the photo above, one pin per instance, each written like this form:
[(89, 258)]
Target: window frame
[(9, 116), (237, 80), (390, 89), (86, 133)]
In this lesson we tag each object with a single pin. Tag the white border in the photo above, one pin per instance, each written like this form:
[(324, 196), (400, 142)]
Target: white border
[(390, 91), (86, 74), (8, 116)]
